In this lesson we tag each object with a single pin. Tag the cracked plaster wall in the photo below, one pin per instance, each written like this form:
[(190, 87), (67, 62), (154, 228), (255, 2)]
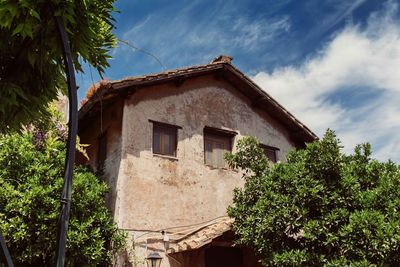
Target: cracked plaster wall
[(156, 192)]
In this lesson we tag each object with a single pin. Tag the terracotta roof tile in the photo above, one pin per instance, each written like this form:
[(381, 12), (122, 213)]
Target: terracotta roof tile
[(203, 236), (106, 90)]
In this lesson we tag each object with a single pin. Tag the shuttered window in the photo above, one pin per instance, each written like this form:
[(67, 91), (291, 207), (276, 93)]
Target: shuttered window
[(101, 150), (270, 152), (164, 139), (216, 144)]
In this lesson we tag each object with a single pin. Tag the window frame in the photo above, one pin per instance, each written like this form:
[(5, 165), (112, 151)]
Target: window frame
[(270, 148), (215, 136), (165, 129)]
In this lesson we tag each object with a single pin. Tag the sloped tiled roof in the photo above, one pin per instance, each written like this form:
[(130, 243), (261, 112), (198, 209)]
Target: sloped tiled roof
[(109, 87), (203, 236), (108, 90), (164, 76)]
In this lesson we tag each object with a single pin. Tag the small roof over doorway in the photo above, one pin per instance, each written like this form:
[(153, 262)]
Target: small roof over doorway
[(202, 236)]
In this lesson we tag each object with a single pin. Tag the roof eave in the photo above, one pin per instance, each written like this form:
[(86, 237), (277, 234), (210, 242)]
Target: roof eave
[(128, 86)]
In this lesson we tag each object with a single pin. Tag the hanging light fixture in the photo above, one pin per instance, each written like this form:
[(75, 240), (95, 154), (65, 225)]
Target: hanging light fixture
[(153, 260)]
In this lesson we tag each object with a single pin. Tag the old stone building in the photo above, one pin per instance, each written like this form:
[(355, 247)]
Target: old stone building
[(159, 140)]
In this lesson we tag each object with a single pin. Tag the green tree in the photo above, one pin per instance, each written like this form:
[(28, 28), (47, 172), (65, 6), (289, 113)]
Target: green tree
[(321, 208), (31, 170), (31, 60)]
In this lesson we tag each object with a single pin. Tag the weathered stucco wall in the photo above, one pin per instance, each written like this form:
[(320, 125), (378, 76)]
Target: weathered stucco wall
[(110, 123), (156, 192)]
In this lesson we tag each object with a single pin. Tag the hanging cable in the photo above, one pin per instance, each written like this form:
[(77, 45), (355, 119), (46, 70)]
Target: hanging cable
[(100, 97), (135, 48)]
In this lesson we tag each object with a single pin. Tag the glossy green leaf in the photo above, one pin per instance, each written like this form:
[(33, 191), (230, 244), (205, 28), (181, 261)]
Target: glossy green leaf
[(27, 26), (320, 208), (31, 181)]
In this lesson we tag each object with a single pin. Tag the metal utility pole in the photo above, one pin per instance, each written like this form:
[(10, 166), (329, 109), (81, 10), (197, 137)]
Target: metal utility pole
[(70, 160), (4, 253), (71, 144)]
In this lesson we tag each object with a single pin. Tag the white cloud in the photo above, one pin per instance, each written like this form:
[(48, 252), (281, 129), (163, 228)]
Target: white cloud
[(352, 85), (249, 34)]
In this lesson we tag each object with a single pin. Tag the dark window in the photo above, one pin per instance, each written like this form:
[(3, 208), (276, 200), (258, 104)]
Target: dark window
[(270, 152), (216, 144), (223, 257), (101, 150), (164, 139)]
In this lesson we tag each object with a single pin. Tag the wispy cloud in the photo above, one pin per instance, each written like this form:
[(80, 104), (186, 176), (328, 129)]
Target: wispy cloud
[(249, 34), (352, 85), (342, 10), (186, 36)]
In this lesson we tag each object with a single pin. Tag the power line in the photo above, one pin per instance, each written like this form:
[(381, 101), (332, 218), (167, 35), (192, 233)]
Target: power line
[(135, 48)]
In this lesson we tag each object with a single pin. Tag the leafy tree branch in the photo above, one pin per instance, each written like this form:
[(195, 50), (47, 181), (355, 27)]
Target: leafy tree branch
[(31, 63), (320, 208), (31, 171)]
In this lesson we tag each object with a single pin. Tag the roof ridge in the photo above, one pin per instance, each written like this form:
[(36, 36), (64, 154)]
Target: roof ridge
[(133, 83), (169, 71)]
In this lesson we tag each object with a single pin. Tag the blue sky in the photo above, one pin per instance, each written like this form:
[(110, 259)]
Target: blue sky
[(332, 63)]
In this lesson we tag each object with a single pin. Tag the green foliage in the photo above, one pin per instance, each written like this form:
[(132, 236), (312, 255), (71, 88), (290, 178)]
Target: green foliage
[(31, 63), (31, 180), (321, 208)]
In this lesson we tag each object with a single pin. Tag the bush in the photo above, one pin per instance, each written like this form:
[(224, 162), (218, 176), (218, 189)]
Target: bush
[(31, 180), (321, 208)]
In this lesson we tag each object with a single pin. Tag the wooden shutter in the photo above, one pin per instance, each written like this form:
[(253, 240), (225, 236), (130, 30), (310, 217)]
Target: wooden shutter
[(164, 140), (215, 147)]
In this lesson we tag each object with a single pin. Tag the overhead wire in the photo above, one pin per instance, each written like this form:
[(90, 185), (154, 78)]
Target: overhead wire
[(135, 49), (138, 49), (100, 96)]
